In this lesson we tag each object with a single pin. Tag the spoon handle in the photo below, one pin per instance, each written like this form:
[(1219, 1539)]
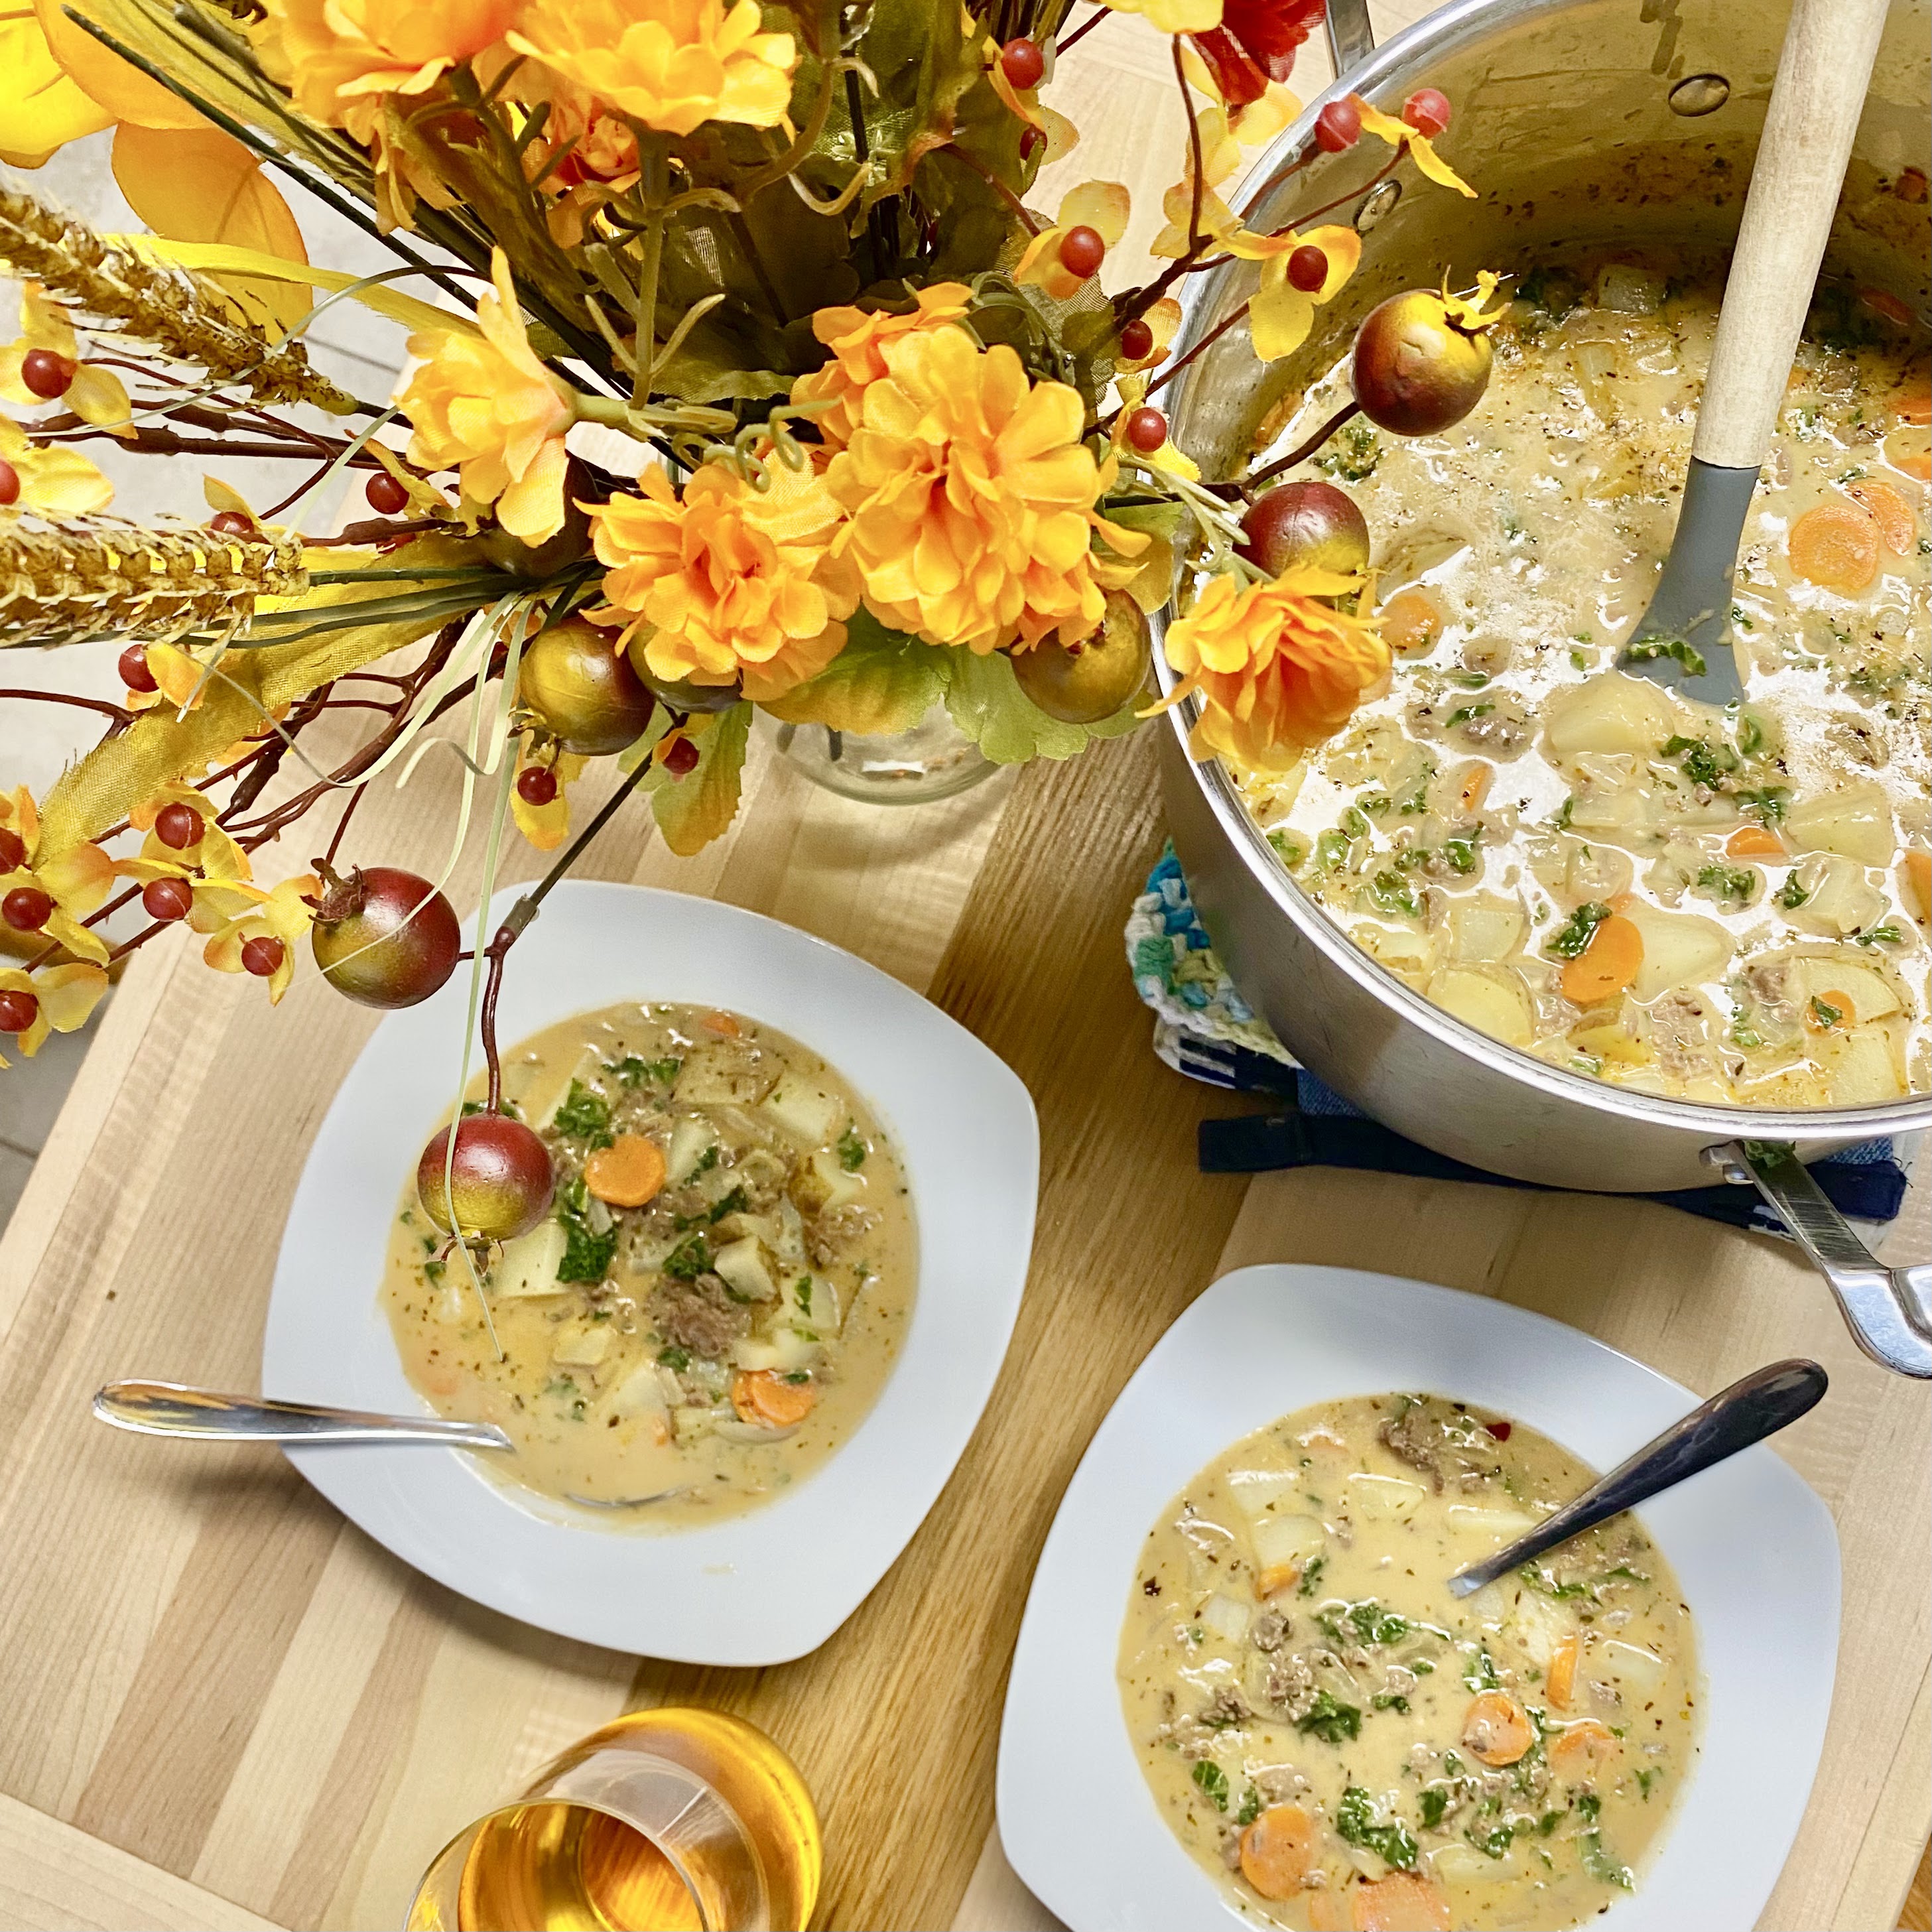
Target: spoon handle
[(1761, 1404), (168, 1408)]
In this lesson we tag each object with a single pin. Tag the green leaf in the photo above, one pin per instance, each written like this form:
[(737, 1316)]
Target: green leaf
[(882, 681), (1355, 1820), (1213, 1780), (692, 810), (987, 704)]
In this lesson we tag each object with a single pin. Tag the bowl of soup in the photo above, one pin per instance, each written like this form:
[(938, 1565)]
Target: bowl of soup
[(738, 1358)]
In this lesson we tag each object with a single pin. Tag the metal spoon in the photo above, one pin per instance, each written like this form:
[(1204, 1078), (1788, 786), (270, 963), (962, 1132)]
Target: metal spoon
[(1760, 1405), (169, 1409), (1684, 637)]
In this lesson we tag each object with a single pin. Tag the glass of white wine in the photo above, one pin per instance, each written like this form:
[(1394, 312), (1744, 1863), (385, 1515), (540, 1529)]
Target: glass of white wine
[(663, 1820)]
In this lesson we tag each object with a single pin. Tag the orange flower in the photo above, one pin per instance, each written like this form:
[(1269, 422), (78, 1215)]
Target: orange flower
[(970, 499), (482, 404), (1277, 670), (730, 582), (343, 55), (673, 64), (859, 339)]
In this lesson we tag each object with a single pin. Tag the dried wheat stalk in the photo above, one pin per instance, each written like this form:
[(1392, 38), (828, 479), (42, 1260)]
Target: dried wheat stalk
[(102, 576), (185, 315)]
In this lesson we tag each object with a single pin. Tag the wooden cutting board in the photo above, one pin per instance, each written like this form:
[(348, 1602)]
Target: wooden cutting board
[(221, 1706)]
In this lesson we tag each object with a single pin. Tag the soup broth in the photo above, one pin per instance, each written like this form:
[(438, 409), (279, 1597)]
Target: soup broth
[(1340, 1742), (713, 1343), (1726, 905)]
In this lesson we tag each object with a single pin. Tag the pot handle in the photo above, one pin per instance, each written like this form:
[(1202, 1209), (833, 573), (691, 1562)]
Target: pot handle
[(1351, 38), (1889, 1310)]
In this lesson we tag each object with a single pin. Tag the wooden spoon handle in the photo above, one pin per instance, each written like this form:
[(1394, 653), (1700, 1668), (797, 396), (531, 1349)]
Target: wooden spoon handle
[(1822, 75)]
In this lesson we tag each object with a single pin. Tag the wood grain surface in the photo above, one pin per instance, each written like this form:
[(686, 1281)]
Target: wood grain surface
[(220, 1705)]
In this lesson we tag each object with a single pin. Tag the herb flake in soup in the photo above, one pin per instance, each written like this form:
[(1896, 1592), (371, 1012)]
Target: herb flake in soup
[(1342, 1743), (720, 1292)]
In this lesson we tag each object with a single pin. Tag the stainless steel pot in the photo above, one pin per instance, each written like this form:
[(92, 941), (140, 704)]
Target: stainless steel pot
[(1598, 120)]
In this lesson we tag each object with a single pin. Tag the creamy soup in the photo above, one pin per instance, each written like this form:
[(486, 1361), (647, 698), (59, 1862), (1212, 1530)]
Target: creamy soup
[(1342, 1743), (707, 1344), (1725, 905)]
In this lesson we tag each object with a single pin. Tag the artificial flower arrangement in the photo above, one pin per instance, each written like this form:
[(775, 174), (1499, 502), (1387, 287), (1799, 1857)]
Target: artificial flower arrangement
[(892, 444)]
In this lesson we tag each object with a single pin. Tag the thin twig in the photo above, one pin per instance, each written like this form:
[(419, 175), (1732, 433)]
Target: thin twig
[(1306, 450), (100, 704)]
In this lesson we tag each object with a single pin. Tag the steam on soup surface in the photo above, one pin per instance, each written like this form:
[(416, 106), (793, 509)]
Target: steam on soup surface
[(1726, 906), (1342, 1743), (722, 1334)]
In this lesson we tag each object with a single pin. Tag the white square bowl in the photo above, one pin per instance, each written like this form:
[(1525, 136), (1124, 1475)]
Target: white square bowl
[(1755, 1550), (774, 1582)]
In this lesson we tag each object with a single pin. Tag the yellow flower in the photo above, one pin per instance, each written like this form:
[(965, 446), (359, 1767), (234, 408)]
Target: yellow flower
[(54, 483), (1220, 158), (1172, 16), (672, 65), (1279, 314), (64, 996), (483, 405), (858, 339), (94, 395), (1103, 206), (730, 582), (545, 826), (1132, 388), (234, 913), (1163, 322), (970, 499), (1398, 134), (77, 881), (1277, 670)]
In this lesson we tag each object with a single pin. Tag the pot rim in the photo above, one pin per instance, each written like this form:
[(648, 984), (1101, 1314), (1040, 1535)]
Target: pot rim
[(1440, 32)]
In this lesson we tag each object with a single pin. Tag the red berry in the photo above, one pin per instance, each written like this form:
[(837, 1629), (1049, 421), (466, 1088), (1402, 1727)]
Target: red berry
[(10, 483), (178, 826), (231, 523), (1426, 110), (1081, 251), (536, 784), (1136, 341), (26, 908), (678, 756), (47, 374), (167, 898), (1032, 140), (1338, 126), (1500, 1430), (1147, 430), (18, 1010), (13, 850), (133, 668), (1022, 63), (263, 955), (1307, 268), (385, 495)]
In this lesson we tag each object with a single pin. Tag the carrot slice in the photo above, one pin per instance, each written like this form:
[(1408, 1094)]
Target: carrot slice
[(1278, 1851), (1579, 1748), (1277, 1576), (1497, 1728), (723, 1024), (1411, 621), (627, 1173), (1754, 842), (1909, 450), (1913, 403), (1469, 794), (1607, 964), (1328, 1910), (1835, 546), (1402, 1902), (763, 1395), (1824, 1011), (1897, 526), (1563, 1671), (1918, 879)]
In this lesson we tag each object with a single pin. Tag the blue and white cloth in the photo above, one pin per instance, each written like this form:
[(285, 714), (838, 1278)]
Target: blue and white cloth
[(1205, 1029)]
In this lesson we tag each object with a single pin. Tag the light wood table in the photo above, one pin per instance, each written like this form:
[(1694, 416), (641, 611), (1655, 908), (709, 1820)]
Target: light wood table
[(221, 1706)]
